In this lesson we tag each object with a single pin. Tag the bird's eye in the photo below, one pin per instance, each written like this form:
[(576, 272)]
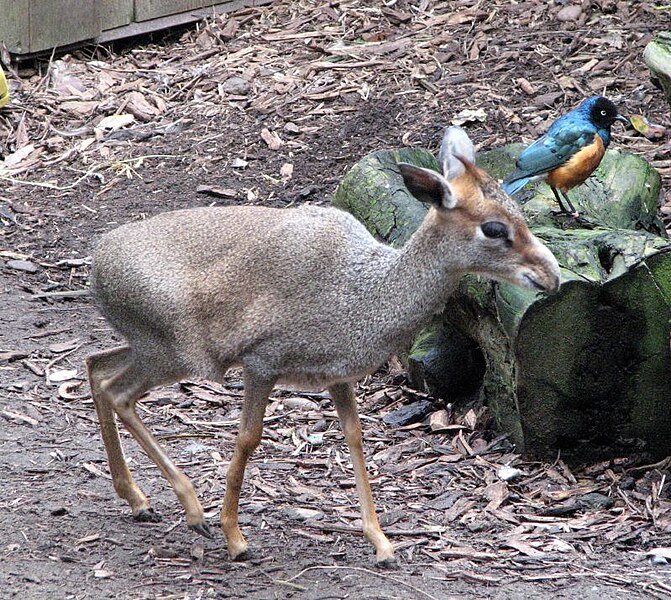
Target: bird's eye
[(603, 113), (494, 230)]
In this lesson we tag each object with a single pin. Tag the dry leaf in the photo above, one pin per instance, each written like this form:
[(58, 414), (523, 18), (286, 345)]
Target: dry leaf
[(439, 420), (291, 127), (197, 550), (64, 346), (13, 160), (228, 31), (213, 190), (650, 130), (286, 172), (471, 419), (79, 108), (91, 468), (114, 122), (588, 66), (526, 87), (139, 106), (469, 116), (271, 138), (66, 391), (62, 375), (88, 539), (22, 137), (663, 552), (84, 144), (205, 40), (102, 573), (105, 81), (524, 548), (462, 16), (497, 493)]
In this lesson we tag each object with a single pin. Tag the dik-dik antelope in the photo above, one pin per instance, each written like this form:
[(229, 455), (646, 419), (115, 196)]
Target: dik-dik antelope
[(303, 295)]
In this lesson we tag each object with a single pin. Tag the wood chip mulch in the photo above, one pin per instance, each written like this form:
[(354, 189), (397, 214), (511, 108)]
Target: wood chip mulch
[(272, 105)]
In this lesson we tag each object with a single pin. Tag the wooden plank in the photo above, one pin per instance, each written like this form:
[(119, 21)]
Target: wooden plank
[(115, 13), (62, 22), (133, 29), (151, 9), (88, 15), (14, 25)]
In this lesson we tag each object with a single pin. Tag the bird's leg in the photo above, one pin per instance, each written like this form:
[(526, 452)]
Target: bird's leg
[(574, 213), (564, 198)]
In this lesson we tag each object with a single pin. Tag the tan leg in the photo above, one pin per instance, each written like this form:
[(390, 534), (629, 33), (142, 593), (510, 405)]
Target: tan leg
[(121, 391), (345, 403), (101, 366), (249, 437)]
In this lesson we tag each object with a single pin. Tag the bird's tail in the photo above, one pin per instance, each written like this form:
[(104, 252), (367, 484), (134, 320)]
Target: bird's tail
[(511, 187)]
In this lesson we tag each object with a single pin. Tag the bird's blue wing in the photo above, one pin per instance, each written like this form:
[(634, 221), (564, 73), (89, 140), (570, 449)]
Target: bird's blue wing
[(561, 142), (565, 137)]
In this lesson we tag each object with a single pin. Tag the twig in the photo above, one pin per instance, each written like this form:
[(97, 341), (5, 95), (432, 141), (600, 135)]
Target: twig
[(42, 334), (362, 570), (662, 464), (436, 531), (19, 417), (92, 171), (293, 586), (60, 357), (66, 294)]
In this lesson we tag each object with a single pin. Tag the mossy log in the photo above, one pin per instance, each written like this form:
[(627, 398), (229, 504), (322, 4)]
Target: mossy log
[(585, 371), (657, 56)]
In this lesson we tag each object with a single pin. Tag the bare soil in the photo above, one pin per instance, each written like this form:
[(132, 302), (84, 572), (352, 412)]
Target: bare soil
[(326, 83)]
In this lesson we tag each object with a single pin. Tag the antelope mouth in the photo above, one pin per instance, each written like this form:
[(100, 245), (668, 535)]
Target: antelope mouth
[(532, 283)]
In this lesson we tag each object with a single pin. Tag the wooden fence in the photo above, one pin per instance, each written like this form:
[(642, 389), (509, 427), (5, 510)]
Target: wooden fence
[(32, 26)]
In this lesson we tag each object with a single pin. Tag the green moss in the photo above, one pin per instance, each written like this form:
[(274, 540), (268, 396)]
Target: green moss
[(374, 192), (657, 56), (622, 193), (585, 366), (501, 161)]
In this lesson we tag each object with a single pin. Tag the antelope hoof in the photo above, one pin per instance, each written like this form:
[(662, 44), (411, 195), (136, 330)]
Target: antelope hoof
[(147, 515), (384, 555), (202, 529), (244, 554), (387, 563)]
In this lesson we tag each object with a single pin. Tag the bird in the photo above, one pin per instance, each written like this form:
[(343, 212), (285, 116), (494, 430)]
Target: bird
[(569, 152)]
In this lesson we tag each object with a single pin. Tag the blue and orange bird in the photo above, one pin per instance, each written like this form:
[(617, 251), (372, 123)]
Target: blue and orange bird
[(569, 152)]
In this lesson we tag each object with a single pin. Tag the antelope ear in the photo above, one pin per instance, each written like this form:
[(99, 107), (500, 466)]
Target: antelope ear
[(428, 186), (454, 149)]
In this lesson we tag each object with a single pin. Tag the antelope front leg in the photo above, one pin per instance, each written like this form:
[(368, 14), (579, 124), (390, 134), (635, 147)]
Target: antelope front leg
[(249, 437), (345, 403)]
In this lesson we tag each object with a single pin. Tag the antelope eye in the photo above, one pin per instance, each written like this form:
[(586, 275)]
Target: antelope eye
[(494, 230)]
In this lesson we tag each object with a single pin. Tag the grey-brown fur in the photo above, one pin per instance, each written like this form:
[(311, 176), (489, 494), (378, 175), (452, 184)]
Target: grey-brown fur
[(303, 295), (208, 288)]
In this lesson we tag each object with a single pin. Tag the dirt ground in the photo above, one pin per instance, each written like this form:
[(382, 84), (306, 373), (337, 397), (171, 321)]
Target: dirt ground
[(272, 105)]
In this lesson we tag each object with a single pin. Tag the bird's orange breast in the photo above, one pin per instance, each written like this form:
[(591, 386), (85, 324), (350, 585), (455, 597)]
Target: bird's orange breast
[(579, 167)]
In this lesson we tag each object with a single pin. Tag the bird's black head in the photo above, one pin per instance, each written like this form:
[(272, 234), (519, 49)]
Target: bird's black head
[(603, 113)]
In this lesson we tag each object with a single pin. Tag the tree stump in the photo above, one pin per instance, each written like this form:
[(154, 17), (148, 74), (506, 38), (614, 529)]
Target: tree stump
[(657, 56), (586, 371)]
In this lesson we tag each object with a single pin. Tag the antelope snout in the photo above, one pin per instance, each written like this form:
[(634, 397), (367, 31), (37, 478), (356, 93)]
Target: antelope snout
[(541, 270)]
